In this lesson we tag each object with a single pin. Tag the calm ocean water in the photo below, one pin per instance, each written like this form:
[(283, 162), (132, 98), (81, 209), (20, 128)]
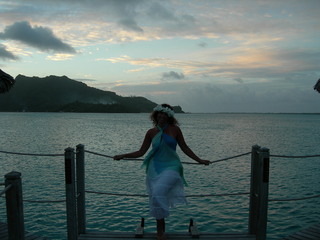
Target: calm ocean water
[(211, 136)]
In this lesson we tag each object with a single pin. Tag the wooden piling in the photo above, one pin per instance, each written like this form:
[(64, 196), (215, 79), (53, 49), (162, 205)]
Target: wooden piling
[(71, 203), (14, 202), (264, 162), (81, 189), (253, 207), (258, 209)]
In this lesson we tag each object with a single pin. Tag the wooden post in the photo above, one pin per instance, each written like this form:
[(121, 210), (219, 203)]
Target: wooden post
[(81, 189), (71, 204), (253, 207), (264, 163), (15, 218)]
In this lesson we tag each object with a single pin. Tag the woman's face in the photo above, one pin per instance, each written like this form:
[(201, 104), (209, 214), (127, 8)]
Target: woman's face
[(162, 118)]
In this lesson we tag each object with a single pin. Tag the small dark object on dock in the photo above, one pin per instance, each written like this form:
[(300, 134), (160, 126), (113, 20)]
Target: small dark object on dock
[(140, 229), (193, 230)]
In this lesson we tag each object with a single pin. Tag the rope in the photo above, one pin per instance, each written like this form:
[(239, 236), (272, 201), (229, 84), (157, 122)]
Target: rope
[(284, 156), (145, 195), (118, 194), (6, 189), (293, 199), (103, 155), (139, 159), (192, 195), (219, 195), (224, 159), (38, 201), (32, 154), (44, 201)]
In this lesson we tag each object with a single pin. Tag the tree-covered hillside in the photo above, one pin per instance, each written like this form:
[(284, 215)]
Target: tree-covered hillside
[(61, 94)]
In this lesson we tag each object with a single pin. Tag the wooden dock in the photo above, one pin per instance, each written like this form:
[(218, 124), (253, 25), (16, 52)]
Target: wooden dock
[(191, 233), (310, 233), (170, 236), (28, 236)]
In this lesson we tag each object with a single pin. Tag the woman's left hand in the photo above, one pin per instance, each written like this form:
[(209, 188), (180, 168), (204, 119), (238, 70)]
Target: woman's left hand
[(117, 157)]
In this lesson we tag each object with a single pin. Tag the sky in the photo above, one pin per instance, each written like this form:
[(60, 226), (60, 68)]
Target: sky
[(206, 56)]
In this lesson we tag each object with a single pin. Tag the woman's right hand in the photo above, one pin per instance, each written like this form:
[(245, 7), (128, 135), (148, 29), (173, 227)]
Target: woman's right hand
[(205, 162)]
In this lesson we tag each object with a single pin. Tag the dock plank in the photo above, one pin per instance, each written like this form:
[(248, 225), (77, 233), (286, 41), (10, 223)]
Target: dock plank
[(171, 236), (28, 236), (310, 233)]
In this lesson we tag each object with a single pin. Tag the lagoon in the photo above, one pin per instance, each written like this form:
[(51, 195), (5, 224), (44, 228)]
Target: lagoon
[(211, 136)]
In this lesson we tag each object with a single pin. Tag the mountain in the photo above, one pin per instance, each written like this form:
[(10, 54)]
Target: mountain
[(62, 94)]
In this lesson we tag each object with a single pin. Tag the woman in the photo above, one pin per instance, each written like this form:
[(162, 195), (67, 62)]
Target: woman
[(164, 170)]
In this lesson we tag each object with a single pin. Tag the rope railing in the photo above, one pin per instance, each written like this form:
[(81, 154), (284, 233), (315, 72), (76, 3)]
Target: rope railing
[(146, 195), (188, 196), (33, 154), (293, 199), (284, 156), (44, 201), (206, 195), (38, 155), (33, 201), (203, 195), (140, 159)]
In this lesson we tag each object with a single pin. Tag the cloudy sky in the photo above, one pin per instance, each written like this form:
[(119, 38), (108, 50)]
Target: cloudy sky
[(204, 55)]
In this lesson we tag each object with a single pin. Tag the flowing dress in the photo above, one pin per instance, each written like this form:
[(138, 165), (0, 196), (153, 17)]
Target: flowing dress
[(164, 176)]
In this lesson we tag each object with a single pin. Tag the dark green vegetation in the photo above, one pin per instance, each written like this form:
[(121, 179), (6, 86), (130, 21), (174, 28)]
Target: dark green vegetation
[(61, 94)]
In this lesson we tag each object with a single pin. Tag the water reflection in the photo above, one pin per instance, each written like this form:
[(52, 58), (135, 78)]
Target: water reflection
[(211, 136)]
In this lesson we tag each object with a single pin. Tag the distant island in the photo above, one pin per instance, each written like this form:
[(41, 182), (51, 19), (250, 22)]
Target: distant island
[(62, 94)]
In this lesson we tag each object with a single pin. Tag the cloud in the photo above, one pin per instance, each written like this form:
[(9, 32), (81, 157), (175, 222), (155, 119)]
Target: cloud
[(125, 11), (203, 44), (157, 11), (5, 54), (239, 80), (170, 18), (212, 97), (135, 16), (60, 57), (173, 75), (130, 24), (232, 65), (38, 37)]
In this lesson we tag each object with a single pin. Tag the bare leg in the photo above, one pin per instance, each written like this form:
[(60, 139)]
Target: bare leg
[(161, 228)]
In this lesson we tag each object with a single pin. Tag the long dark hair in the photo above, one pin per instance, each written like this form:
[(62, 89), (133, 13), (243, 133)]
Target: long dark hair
[(171, 120)]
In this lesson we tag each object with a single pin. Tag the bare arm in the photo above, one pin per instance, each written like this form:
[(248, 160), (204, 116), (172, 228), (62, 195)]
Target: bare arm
[(143, 149), (186, 149)]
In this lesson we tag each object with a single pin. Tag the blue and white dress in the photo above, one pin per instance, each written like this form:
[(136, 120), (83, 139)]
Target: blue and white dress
[(164, 175)]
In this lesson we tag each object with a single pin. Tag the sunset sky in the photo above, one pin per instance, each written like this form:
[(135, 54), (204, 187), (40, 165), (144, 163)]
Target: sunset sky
[(204, 55)]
